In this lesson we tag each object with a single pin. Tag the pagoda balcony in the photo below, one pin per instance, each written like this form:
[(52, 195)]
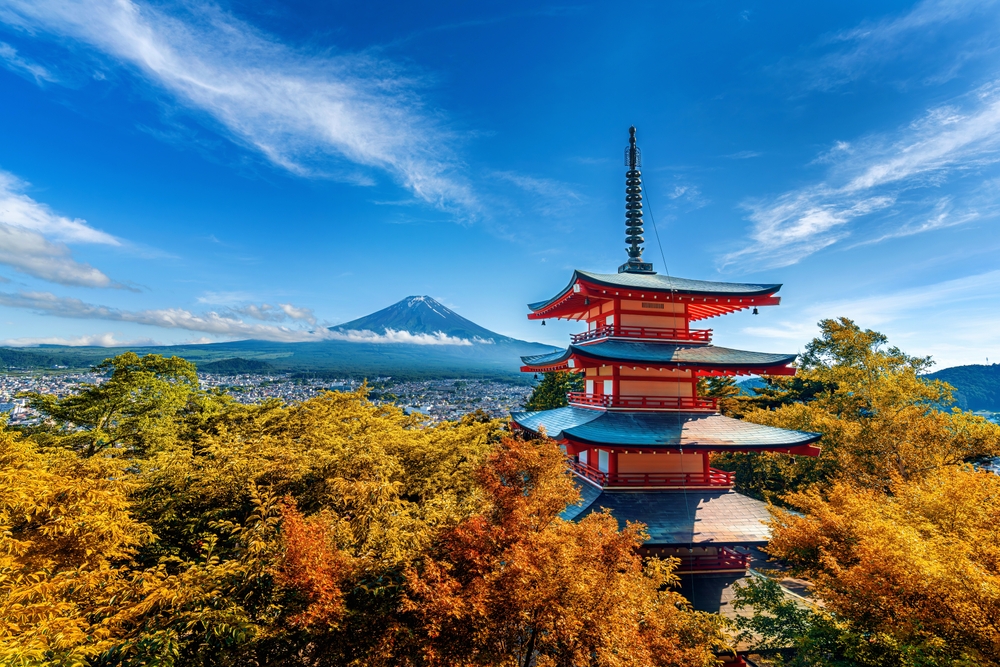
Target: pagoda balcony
[(702, 559), (715, 479), (641, 403), (644, 333)]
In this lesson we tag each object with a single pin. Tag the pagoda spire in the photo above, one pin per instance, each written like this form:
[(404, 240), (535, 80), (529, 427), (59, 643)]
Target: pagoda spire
[(633, 210)]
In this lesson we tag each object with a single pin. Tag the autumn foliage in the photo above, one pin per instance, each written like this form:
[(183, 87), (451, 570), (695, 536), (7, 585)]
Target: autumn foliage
[(187, 529), (312, 565), (880, 419), (917, 570), (516, 585), (896, 530)]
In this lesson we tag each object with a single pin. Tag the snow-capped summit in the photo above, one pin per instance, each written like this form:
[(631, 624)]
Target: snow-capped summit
[(422, 315)]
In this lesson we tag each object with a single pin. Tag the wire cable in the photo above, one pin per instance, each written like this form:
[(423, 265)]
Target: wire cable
[(684, 490), (656, 231)]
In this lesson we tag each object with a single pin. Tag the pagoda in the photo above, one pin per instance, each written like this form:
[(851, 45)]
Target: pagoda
[(639, 438)]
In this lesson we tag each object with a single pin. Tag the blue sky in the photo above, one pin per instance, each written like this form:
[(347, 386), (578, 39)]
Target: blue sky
[(179, 172)]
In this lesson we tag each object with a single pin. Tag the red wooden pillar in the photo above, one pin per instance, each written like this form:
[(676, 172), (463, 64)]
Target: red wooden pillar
[(613, 464), (706, 461)]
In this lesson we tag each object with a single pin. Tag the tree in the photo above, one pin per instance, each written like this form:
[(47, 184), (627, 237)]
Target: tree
[(66, 540), (551, 391), (517, 585), (275, 534), (880, 419), (911, 577), (796, 633), (133, 409)]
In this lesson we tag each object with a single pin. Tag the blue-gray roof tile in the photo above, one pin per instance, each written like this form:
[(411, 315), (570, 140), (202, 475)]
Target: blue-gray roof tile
[(694, 431), (663, 353), (660, 283)]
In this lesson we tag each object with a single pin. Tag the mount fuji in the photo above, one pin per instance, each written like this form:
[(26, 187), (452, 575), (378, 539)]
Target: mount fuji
[(417, 337), (422, 315)]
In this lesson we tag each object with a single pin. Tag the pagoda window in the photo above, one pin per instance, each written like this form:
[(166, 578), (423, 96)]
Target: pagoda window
[(602, 460), (661, 307), (609, 387), (657, 373), (653, 321), (656, 388), (610, 320), (582, 456), (590, 387), (660, 462)]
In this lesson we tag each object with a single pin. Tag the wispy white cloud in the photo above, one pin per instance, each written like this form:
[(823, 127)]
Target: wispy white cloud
[(31, 253), (280, 313), (956, 320), (546, 196), (224, 298), (393, 336), (297, 109), (240, 303), (17, 209), (18, 64), (882, 308), (865, 49), (33, 239), (871, 175), (95, 340), (224, 325)]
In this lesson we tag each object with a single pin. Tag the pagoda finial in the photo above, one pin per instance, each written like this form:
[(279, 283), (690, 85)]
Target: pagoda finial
[(633, 209)]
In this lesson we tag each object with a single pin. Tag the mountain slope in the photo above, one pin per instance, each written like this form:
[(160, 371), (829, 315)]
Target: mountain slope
[(977, 386), (478, 352), (421, 315)]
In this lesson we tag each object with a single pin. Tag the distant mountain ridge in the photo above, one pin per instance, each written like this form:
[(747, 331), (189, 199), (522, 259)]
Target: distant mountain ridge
[(977, 386), (469, 351), (422, 315)]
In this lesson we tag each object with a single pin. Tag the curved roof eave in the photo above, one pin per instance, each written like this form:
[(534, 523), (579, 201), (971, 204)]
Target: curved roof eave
[(660, 353), (664, 430), (659, 283)]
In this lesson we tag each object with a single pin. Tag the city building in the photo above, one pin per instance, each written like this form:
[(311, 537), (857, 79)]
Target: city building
[(639, 436)]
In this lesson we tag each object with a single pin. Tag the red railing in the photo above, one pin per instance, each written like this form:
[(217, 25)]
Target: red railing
[(714, 478), (652, 333), (584, 470), (696, 559), (718, 478), (642, 402)]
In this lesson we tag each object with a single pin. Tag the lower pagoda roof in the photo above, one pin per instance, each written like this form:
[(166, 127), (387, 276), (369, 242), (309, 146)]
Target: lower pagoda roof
[(661, 354), (680, 518), (691, 431)]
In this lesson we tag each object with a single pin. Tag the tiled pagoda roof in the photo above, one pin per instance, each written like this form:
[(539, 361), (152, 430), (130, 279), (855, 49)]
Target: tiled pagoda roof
[(663, 353), (681, 517), (660, 283), (691, 431)]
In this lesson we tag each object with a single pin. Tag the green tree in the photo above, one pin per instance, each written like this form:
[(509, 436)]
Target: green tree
[(796, 633), (551, 391), (134, 409)]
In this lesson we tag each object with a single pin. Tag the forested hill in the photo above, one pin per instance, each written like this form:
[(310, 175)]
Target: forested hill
[(977, 386)]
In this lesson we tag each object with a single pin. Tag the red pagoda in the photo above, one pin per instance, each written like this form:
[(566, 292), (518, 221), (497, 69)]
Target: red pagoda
[(639, 438)]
